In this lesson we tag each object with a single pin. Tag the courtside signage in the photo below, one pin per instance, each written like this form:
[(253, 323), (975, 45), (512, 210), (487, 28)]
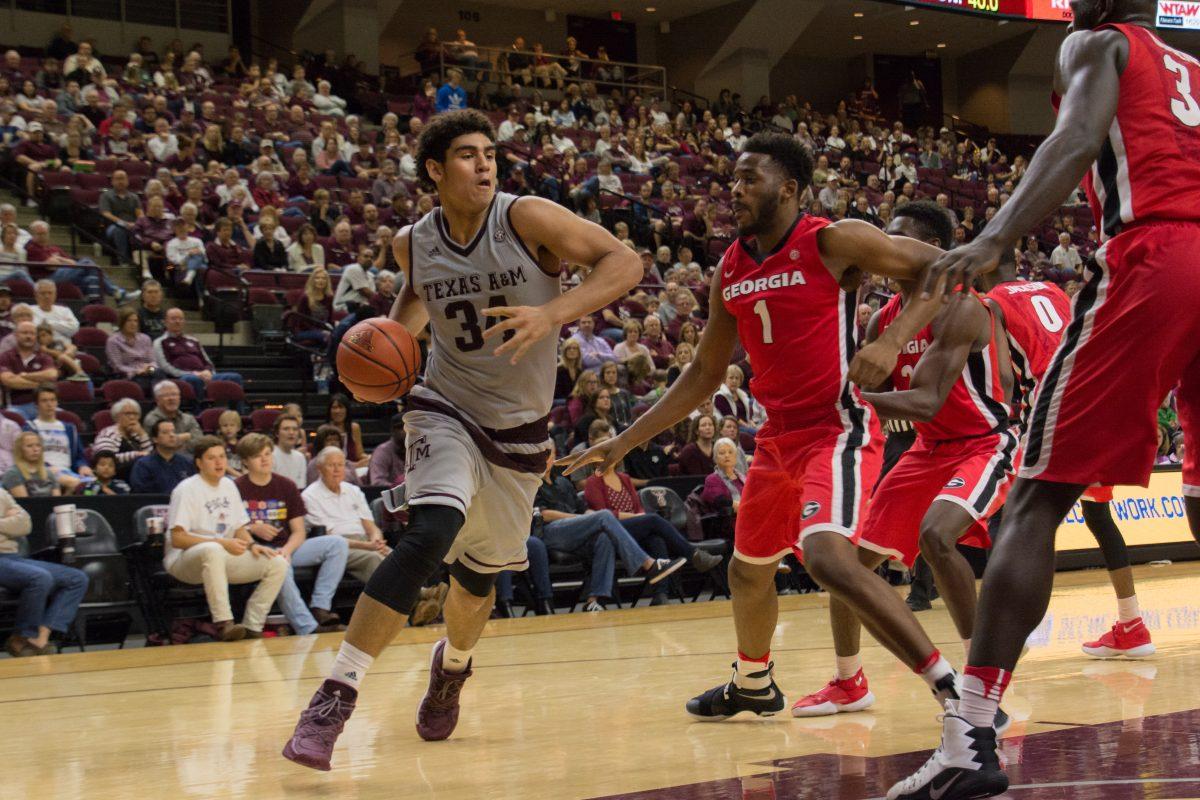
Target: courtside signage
[(1154, 515)]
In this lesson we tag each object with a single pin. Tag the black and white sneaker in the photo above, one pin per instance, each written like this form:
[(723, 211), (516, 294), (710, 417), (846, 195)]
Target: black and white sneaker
[(948, 689), (964, 767), (722, 702), (661, 568)]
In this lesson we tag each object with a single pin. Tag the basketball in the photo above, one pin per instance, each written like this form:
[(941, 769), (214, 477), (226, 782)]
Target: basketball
[(378, 360)]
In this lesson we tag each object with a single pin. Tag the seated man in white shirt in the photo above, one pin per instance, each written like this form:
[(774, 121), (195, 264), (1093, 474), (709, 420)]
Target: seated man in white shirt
[(289, 459), (341, 508), (61, 319), (208, 542)]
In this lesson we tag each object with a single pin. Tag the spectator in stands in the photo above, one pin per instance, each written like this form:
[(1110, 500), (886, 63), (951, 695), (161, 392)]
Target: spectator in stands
[(35, 154), (30, 475), (599, 408), (314, 310), (1068, 264), (223, 253), (356, 287), (61, 319), (696, 457), (340, 416), (341, 509), (153, 230), (152, 315), (269, 252), (595, 349), (167, 398), (12, 254), (728, 429), (731, 400), (570, 365), (162, 470), (724, 485), (614, 491), (126, 437), (586, 386), (48, 260), (684, 354), (21, 312), (631, 345), (288, 458), (276, 512), (451, 96), (185, 253), (63, 352), (62, 447), (209, 543), (305, 253), (182, 356), (325, 102), (24, 368), (621, 398), (229, 431), (104, 471), (386, 466), (48, 594), (656, 342), (327, 436), (121, 209)]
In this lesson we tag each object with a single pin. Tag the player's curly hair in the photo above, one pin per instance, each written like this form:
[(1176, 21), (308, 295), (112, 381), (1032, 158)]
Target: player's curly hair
[(437, 136), (784, 150), (933, 221)]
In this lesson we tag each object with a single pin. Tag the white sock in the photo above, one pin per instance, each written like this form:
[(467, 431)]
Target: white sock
[(848, 666), (1127, 608), (746, 668), (938, 668), (455, 660), (975, 707), (351, 665), (966, 649)]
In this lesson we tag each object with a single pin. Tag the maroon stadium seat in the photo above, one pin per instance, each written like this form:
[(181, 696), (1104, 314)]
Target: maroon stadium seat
[(118, 389), (74, 391), (226, 392), (90, 337), (94, 314)]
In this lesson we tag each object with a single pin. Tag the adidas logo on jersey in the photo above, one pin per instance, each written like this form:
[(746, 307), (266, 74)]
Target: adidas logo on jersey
[(780, 280), (435, 251)]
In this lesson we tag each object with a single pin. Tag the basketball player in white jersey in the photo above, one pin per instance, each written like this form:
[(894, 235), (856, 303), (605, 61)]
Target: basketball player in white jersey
[(483, 272)]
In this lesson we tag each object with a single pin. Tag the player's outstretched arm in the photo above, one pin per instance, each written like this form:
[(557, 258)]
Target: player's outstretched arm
[(694, 384), (407, 309), (1088, 77), (875, 361), (955, 333), (548, 228)]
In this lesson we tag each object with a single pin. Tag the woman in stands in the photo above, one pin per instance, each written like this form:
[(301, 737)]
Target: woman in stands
[(622, 399), (104, 469), (28, 476), (642, 379), (683, 356), (339, 416), (696, 458), (325, 212), (570, 366), (631, 345), (269, 252), (599, 407), (306, 253), (315, 306), (12, 254), (728, 429), (732, 401), (125, 437), (689, 335), (75, 152), (586, 386), (723, 486)]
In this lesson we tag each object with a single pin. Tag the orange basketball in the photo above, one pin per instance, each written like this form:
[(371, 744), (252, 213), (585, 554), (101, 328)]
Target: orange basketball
[(378, 360)]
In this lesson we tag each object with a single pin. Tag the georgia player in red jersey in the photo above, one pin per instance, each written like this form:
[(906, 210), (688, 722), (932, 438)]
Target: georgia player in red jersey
[(1129, 119), (787, 289), (953, 381), (1035, 314)]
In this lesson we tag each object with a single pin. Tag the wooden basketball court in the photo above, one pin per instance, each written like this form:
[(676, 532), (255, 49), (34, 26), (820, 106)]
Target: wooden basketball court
[(580, 706)]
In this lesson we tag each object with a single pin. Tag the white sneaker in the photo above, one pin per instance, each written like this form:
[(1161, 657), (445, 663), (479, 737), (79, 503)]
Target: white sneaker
[(964, 767), (592, 607)]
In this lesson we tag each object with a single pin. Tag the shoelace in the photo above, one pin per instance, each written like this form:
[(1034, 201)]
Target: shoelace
[(930, 768), (447, 693), (325, 718)]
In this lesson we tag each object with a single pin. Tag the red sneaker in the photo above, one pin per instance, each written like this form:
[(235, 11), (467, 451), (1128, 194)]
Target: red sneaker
[(839, 696), (1128, 639)]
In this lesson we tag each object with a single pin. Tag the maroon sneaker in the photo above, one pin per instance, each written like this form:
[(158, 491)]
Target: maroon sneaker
[(320, 724), (438, 713)]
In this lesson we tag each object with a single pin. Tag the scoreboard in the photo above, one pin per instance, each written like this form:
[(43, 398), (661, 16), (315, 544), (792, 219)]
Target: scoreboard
[(1052, 10)]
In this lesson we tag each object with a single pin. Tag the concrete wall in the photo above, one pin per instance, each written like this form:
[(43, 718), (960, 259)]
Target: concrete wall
[(983, 77), (821, 81), (33, 29), (686, 50)]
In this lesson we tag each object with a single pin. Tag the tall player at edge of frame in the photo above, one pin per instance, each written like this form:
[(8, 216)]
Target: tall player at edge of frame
[(485, 266), (1129, 126)]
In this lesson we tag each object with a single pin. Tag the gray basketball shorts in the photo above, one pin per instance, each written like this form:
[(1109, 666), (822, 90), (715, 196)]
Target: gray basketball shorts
[(443, 466)]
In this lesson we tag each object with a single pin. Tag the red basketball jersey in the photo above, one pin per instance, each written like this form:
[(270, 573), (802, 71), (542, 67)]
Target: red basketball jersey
[(798, 328), (1035, 317), (1149, 167), (906, 362), (976, 404)]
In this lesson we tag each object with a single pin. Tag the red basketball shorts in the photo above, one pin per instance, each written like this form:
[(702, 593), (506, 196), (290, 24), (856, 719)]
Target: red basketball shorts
[(1098, 494), (1134, 333), (974, 473), (803, 481)]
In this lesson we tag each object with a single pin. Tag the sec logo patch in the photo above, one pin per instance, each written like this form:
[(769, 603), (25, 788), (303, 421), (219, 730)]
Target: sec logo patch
[(810, 509), (956, 483)]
